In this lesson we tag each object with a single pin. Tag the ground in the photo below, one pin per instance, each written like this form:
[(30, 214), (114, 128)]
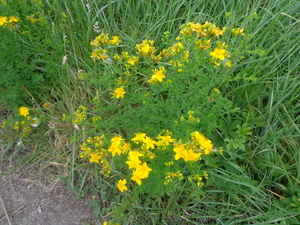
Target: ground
[(26, 197)]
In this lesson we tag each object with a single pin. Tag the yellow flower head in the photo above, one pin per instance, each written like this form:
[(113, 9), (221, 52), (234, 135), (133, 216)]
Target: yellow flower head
[(219, 53), (23, 111), (115, 40), (159, 74), (95, 157), (119, 92), (149, 143), (99, 54), (13, 19), (185, 153), (204, 143), (141, 172), (139, 137), (165, 140), (146, 48), (3, 20), (121, 185), (238, 31)]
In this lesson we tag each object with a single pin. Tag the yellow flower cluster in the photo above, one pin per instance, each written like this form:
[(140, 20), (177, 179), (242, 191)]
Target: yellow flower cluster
[(129, 60), (140, 156), (25, 126), (238, 31), (94, 150), (202, 30), (192, 151), (220, 53), (194, 37), (119, 92), (159, 75), (101, 41), (204, 33), (105, 40), (198, 178), (8, 21), (80, 115), (32, 18), (99, 54), (23, 111), (146, 48), (171, 175)]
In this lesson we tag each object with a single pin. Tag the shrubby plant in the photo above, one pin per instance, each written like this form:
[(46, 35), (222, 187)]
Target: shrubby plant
[(29, 66), (156, 125)]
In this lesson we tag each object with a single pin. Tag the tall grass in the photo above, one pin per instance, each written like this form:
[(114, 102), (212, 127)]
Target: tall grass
[(254, 186)]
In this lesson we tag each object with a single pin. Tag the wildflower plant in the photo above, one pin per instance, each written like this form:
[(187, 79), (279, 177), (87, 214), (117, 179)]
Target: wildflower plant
[(27, 52), (161, 111), (24, 123)]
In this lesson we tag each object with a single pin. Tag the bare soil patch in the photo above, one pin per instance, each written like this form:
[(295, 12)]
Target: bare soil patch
[(26, 198)]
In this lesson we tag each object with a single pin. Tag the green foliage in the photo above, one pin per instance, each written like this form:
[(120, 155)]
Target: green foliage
[(254, 119), (29, 54)]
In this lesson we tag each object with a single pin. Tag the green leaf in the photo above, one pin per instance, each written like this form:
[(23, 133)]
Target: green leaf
[(294, 205), (235, 143), (244, 130), (295, 199)]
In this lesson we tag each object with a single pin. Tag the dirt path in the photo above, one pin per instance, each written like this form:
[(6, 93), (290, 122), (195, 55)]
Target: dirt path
[(27, 199)]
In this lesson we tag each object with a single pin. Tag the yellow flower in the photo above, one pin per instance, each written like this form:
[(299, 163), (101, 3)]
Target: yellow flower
[(134, 155), (13, 19), (219, 53), (115, 40), (117, 140), (133, 163), (95, 157), (141, 172), (216, 90), (149, 142), (158, 74), (99, 54), (134, 159), (121, 185), (3, 20), (228, 63), (146, 48), (23, 111), (114, 149), (119, 92), (203, 142), (203, 44), (185, 154), (139, 137), (179, 149), (217, 31), (238, 31), (165, 140)]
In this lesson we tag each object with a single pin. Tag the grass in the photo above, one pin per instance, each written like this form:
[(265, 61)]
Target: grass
[(254, 186)]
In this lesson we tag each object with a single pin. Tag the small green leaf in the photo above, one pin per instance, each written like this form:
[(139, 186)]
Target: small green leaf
[(244, 130), (295, 199), (235, 143), (294, 205)]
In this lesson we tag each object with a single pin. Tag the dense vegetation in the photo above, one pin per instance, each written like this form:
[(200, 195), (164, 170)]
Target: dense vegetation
[(183, 112)]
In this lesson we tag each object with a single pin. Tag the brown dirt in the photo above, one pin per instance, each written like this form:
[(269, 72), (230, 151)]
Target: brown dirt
[(26, 198)]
